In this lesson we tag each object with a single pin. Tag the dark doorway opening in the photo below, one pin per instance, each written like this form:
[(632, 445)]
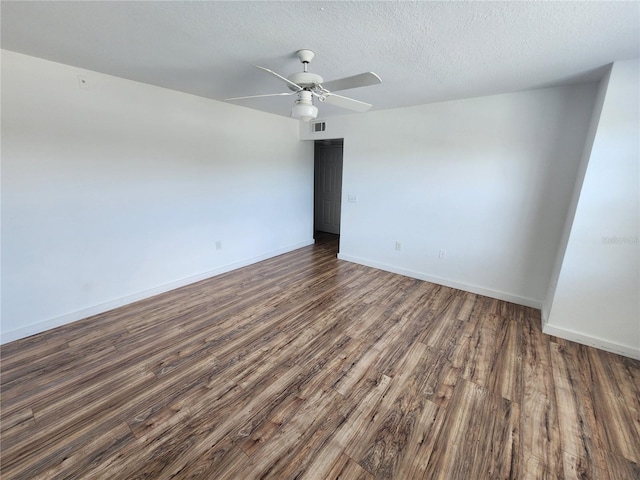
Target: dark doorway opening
[(327, 189)]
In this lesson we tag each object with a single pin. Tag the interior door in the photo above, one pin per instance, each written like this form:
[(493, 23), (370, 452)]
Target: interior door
[(328, 185)]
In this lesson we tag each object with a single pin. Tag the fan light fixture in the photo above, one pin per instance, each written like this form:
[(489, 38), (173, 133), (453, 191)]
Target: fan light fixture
[(304, 109), (308, 85)]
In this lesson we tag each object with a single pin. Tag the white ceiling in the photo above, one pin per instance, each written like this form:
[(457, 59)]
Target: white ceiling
[(423, 51)]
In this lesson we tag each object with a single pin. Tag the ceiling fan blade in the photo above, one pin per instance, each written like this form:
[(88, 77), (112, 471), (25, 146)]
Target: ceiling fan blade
[(361, 80), (348, 103), (258, 96), (295, 85)]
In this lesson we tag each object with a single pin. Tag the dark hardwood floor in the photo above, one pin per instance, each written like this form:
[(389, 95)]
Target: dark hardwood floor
[(307, 367)]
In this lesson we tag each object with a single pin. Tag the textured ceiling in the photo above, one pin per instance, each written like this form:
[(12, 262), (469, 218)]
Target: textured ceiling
[(423, 51)]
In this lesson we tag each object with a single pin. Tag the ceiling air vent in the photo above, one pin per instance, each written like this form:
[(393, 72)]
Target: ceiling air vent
[(317, 127)]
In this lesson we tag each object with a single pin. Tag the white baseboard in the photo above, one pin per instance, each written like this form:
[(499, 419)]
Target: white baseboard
[(591, 341), (40, 327), (546, 328), (544, 315), (507, 297)]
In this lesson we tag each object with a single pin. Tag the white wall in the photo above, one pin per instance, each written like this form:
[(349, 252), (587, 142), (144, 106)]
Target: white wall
[(573, 203), (487, 179), (597, 297), (120, 191)]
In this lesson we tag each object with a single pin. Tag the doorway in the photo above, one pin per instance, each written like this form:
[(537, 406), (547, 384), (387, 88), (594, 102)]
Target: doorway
[(327, 187)]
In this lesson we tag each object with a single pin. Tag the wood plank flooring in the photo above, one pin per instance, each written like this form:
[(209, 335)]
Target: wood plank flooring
[(307, 367)]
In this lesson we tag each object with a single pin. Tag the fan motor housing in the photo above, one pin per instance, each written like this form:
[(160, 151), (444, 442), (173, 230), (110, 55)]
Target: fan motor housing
[(304, 79)]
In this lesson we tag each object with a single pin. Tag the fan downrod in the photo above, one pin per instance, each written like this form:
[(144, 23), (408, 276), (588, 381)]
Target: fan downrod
[(305, 79)]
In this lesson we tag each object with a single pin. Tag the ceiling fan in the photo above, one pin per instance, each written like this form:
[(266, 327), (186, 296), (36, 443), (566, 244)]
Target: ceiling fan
[(308, 85)]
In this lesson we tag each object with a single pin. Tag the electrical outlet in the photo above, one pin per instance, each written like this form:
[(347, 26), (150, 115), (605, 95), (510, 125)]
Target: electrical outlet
[(218, 244), (442, 254), (398, 246)]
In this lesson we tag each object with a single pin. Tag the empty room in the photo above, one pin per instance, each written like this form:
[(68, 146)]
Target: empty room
[(320, 240)]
